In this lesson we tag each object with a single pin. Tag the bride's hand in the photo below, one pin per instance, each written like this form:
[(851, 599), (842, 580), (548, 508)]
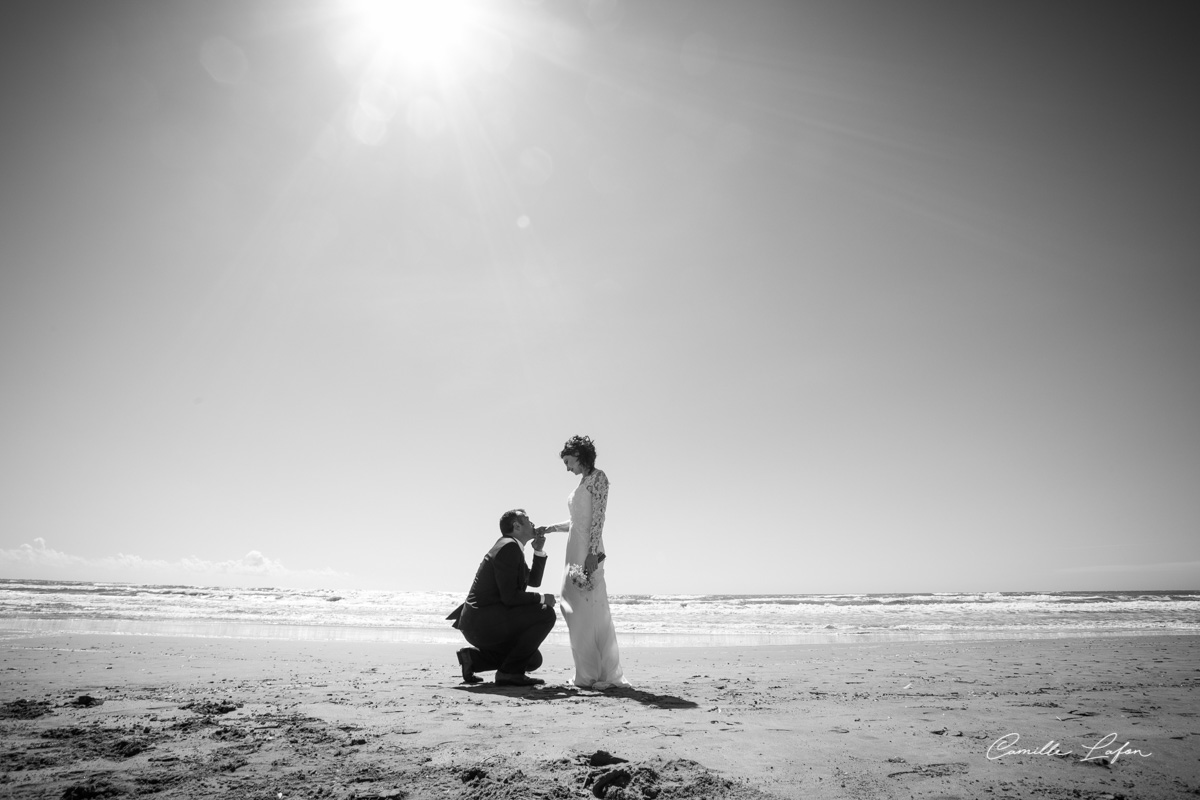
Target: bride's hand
[(590, 563)]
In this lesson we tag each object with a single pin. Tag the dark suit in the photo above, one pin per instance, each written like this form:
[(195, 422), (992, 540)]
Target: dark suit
[(504, 623)]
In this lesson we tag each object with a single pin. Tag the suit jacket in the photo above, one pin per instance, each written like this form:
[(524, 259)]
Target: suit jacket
[(502, 579)]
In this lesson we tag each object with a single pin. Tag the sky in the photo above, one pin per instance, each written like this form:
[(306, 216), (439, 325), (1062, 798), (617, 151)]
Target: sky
[(853, 296)]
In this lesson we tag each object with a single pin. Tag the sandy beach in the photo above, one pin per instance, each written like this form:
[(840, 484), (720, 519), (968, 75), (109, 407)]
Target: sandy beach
[(115, 716)]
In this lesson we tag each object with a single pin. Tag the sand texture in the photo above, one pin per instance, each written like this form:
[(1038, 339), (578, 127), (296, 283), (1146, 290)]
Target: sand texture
[(146, 716)]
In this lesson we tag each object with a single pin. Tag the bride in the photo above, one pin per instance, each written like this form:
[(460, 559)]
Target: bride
[(584, 594)]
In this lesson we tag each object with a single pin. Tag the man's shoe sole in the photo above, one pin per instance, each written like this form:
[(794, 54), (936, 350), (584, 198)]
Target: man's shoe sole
[(524, 680), (464, 661)]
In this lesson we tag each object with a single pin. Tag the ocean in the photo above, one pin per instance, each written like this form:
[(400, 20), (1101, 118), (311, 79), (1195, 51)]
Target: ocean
[(29, 607)]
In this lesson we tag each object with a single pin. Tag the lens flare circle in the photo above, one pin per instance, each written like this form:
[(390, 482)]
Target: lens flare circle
[(224, 61)]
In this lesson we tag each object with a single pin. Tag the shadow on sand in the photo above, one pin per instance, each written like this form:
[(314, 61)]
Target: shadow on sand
[(548, 692)]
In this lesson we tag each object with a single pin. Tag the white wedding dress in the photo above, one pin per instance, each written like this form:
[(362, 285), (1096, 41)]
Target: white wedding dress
[(585, 597)]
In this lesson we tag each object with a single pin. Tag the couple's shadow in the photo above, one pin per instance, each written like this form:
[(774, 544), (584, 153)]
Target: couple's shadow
[(550, 692)]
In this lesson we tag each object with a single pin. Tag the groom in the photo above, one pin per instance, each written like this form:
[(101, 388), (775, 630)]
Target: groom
[(505, 623)]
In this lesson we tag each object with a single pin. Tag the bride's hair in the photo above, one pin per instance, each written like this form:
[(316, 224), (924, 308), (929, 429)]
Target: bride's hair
[(583, 448)]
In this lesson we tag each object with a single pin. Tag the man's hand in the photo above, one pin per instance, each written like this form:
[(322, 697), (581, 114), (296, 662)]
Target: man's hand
[(548, 600), (539, 541), (590, 563)]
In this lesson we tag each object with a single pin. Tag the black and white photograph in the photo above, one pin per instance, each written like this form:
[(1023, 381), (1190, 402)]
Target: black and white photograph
[(620, 399)]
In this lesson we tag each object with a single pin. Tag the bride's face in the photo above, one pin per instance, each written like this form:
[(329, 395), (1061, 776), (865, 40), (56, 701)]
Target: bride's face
[(573, 465)]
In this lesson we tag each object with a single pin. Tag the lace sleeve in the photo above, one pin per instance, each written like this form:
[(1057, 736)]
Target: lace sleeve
[(598, 488)]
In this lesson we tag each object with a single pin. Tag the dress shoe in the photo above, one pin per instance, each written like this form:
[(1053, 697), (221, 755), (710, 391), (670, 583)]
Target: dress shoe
[(468, 666), (516, 679)]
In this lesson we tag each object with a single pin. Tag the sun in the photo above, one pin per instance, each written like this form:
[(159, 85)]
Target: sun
[(421, 33), (412, 58)]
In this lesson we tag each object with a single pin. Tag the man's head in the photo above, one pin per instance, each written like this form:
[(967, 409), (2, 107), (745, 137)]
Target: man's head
[(516, 524)]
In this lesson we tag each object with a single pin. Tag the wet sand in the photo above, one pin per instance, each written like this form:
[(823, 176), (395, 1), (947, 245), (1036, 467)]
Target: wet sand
[(152, 716)]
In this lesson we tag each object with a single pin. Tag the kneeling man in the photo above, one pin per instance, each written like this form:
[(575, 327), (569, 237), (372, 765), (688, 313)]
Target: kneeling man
[(505, 623)]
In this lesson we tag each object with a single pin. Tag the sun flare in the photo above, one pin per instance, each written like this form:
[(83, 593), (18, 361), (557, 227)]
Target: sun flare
[(427, 33)]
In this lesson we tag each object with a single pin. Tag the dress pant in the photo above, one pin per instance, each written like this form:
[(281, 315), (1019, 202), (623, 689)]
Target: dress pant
[(506, 638)]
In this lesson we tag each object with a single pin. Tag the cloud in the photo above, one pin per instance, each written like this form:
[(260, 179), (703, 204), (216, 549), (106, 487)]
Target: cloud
[(38, 560), (1162, 566), (38, 554)]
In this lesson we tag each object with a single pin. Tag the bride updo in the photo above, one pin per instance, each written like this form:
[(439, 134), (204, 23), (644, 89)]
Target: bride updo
[(583, 448)]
